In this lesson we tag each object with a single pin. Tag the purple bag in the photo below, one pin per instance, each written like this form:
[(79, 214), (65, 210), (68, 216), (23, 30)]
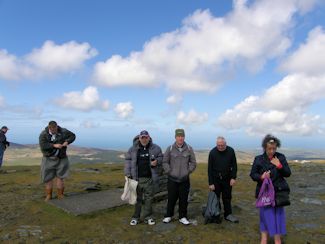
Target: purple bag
[(266, 194)]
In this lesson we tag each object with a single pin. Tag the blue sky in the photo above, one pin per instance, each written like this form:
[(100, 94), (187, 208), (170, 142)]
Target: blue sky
[(108, 69)]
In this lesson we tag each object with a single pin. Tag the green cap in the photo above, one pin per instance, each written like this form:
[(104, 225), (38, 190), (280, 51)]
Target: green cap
[(179, 132)]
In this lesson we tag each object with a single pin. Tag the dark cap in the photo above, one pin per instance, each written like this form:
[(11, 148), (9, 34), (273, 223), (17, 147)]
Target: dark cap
[(144, 133), (4, 128), (180, 132)]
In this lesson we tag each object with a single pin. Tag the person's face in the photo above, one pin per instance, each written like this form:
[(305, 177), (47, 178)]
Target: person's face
[(270, 149), (144, 140), (180, 140), (221, 145), (5, 131), (53, 129)]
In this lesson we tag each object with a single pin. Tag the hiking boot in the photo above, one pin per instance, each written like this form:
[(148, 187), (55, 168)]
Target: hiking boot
[(48, 195), (60, 193), (232, 218)]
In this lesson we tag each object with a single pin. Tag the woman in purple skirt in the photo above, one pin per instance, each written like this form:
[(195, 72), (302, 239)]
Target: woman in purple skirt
[(271, 164)]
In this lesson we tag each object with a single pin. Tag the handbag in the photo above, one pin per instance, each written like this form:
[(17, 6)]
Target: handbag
[(282, 198), (266, 195), (130, 191)]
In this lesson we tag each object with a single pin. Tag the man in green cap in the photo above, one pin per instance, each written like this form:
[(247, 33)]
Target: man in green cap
[(178, 162)]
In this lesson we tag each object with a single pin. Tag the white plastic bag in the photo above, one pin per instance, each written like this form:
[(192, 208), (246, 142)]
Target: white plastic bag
[(130, 191)]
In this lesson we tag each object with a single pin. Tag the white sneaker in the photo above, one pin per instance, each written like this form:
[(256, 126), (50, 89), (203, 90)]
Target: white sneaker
[(150, 221), (184, 221), (133, 222), (167, 220)]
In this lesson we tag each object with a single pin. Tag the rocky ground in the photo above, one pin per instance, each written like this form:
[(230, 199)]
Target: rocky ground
[(25, 218)]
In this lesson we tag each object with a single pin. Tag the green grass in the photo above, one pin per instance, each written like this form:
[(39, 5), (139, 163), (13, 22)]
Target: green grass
[(22, 204)]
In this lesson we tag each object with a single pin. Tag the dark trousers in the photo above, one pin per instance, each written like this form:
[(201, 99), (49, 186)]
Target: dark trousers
[(222, 187), (1, 156), (177, 191)]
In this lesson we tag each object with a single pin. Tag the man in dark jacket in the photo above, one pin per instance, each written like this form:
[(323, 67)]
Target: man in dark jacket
[(179, 162), (142, 163), (53, 142), (222, 172), (3, 142)]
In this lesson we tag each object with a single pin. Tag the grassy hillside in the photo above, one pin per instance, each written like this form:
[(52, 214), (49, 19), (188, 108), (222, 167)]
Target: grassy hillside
[(25, 218)]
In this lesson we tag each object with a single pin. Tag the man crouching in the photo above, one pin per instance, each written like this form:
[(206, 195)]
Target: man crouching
[(53, 142)]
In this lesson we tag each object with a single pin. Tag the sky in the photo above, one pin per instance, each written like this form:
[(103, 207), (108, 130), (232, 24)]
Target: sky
[(108, 69)]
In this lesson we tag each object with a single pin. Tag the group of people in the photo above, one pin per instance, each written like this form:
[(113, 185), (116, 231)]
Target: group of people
[(144, 162)]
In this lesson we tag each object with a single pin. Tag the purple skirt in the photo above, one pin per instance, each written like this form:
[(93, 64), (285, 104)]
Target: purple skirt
[(272, 220)]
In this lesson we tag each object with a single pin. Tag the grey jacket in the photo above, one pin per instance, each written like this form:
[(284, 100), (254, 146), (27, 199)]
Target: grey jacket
[(179, 165), (131, 165)]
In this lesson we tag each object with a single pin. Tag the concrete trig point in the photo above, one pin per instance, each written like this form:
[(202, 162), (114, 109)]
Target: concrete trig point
[(87, 203)]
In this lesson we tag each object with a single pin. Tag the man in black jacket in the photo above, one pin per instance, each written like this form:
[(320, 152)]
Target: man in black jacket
[(3, 142), (53, 142), (222, 172)]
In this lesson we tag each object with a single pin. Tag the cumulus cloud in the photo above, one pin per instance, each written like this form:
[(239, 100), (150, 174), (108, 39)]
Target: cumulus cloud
[(199, 55), (192, 117), (309, 58), (49, 60), (124, 110), (284, 107), (85, 100), (174, 99)]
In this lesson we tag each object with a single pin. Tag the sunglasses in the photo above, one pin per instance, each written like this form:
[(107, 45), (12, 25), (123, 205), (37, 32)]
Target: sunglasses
[(144, 137)]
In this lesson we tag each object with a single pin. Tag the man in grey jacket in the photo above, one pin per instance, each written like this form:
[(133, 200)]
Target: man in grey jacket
[(179, 162), (142, 163), (3, 142)]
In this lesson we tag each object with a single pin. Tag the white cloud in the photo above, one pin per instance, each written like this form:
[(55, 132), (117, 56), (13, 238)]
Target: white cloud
[(192, 117), (49, 60), (174, 99), (309, 58), (124, 110), (89, 124), (199, 55), (86, 100), (283, 108)]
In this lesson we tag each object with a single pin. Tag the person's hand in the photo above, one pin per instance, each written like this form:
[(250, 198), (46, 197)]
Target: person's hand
[(232, 182), (65, 144), (212, 187), (265, 175), (275, 161), (154, 163), (58, 146)]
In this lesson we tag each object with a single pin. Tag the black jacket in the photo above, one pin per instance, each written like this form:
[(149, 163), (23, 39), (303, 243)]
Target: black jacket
[(222, 165), (262, 164), (3, 141), (62, 136)]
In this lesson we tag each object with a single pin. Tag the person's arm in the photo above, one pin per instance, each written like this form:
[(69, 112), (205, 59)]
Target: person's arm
[(166, 160), (127, 165), (233, 167), (159, 157), (255, 175), (192, 162), (44, 143), (284, 169), (210, 168), (69, 136), (2, 138)]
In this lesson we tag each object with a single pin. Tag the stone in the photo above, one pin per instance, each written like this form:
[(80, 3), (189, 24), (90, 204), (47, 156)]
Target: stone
[(90, 202), (315, 201), (162, 227)]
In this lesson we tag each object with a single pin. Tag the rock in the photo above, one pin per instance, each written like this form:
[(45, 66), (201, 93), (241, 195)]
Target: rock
[(6, 237), (315, 201), (22, 233), (306, 226), (162, 227), (88, 170)]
